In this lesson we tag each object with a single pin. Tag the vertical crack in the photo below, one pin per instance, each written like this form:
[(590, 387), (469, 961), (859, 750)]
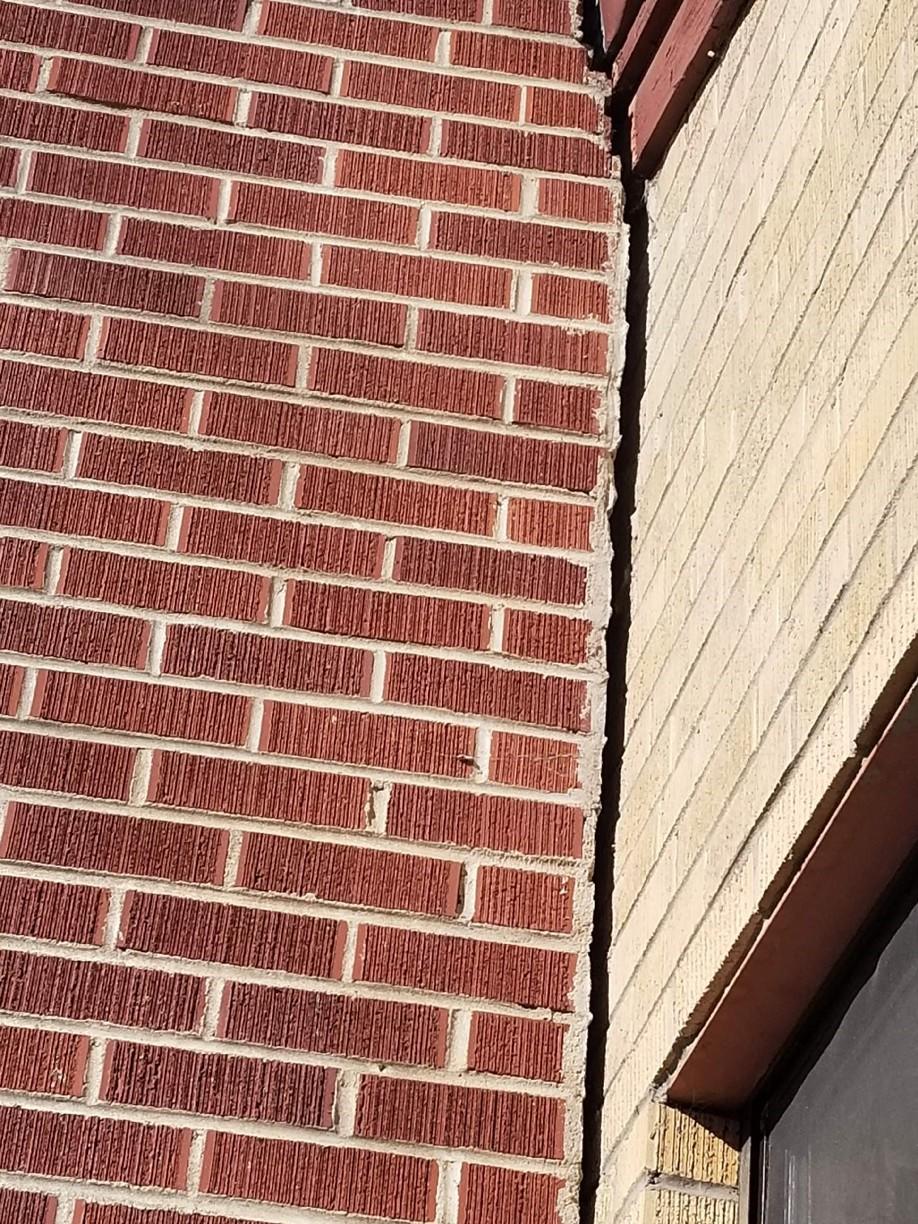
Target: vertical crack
[(620, 527)]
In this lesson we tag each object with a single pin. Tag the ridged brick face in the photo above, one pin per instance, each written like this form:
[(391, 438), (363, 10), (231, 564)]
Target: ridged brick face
[(307, 318)]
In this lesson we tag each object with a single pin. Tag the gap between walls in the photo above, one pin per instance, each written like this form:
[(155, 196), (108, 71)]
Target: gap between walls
[(630, 393)]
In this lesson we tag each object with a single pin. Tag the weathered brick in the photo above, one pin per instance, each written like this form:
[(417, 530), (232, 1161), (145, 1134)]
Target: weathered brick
[(513, 1045), (51, 333), (195, 650), (562, 465), (508, 146), (33, 1060), (395, 500), (533, 762), (529, 900), (522, 241), (72, 633), (358, 612), (93, 397), (534, 344), (245, 61), (530, 977), (33, 220), (22, 563), (378, 740), (126, 87), (44, 909), (81, 512), (470, 392), (101, 771), (311, 119), (539, 635), (41, 27), (160, 710), (113, 183), (378, 1029), (224, 14), (550, 524), (312, 213), (449, 1115), (431, 91), (568, 298), (555, 406), (82, 280), (489, 571), (195, 1083), (24, 119), (490, 1195), (576, 201), (122, 845), (32, 449), (264, 791), (332, 28), (234, 252), (308, 314), (427, 181), (420, 277), (230, 934), (350, 874), (229, 149), (521, 57)]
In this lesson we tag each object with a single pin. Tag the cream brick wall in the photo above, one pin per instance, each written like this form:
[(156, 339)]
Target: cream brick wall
[(774, 586)]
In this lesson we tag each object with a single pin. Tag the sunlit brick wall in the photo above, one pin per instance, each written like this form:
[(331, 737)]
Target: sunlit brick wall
[(305, 310)]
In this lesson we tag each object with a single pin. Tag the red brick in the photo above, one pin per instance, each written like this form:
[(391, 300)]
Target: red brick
[(521, 241), (489, 571), (49, 332), (101, 771), (164, 586), (529, 977), (548, 16), (71, 633), (311, 213), (22, 563), (31, 448), (205, 352), (87, 990), (120, 460), (134, 186), (32, 1060), (556, 406), (490, 1195), (357, 32), (431, 91), (92, 397), (309, 314), (263, 791), (537, 635), (62, 125), (10, 688), (41, 27), (266, 662), (471, 688), (308, 428), (428, 181), (80, 512), (449, 1115), (395, 500), (97, 1213), (513, 1045), (195, 1083), (504, 457), (417, 277), (21, 1208), (327, 1178), (244, 61), (98, 1149), (314, 120), (490, 339), (230, 934), (520, 57), (527, 900), (228, 149), (529, 761), (145, 709), (562, 108), (43, 909), (214, 248), (121, 845), (358, 612), (42, 274), (9, 166), (283, 543), (566, 298), (34, 221), (224, 14), (380, 741), (550, 524), (470, 392), (378, 1029), (126, 87), (350, 875), (576, 201), (444, 10), (507, 146), (18, 69)]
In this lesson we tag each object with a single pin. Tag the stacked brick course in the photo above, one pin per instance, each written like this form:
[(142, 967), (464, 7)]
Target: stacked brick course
[(305, 318)]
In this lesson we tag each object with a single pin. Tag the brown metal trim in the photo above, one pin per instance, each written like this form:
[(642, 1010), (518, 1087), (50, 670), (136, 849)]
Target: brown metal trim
[(870, 834)]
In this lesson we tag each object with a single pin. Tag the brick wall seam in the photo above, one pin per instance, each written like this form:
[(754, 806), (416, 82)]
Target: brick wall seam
[(307, 318)]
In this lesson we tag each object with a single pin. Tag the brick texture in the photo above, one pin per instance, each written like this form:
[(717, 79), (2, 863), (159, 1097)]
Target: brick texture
[(307, 316)]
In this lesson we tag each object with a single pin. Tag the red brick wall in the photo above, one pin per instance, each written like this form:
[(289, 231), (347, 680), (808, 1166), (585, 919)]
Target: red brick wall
[(306, 333)]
